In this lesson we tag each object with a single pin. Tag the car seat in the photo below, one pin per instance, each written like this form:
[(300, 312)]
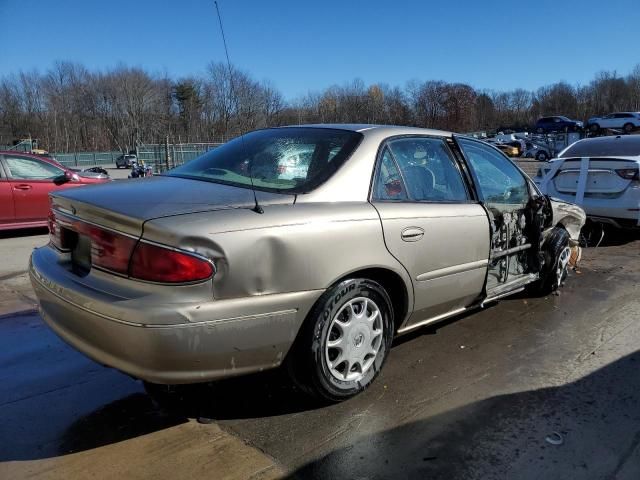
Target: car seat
[(420, 182)]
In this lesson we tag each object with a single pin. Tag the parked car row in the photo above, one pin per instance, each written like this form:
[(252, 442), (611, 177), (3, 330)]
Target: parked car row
[(624, 121), (521, 145)]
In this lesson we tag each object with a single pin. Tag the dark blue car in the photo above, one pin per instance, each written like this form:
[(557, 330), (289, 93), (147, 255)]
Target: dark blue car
[(557, 124)]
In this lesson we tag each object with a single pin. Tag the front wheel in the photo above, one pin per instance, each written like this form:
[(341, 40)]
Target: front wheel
[(557, 254), (542, 156), (345, 340), (628, 127)]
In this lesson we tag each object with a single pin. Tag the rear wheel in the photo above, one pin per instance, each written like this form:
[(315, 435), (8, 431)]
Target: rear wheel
[(628, 127), (345, 340), (594, 128)]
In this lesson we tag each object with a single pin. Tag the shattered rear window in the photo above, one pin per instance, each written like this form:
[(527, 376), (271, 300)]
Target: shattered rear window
[(289, 159)]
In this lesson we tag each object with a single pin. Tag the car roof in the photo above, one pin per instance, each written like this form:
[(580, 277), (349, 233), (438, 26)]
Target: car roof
[(385, 129), (627, 145), (33, 155)]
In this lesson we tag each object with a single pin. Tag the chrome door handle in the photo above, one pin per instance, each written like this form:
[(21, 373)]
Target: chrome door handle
[(22, 187), (412, 234)]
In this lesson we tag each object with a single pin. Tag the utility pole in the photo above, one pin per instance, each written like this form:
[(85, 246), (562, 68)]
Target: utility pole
[(167, 156)]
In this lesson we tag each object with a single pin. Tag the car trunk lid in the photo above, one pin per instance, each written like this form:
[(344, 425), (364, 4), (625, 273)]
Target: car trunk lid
[(100, 226), (125, 205), (602, 177)]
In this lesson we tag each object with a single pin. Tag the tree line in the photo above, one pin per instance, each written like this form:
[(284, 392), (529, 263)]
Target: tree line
[(70, 108)]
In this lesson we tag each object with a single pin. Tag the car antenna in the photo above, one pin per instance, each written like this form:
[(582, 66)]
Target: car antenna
[(256, 208)]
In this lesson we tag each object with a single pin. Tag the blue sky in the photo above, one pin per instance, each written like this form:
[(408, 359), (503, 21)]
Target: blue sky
[(301, 46)]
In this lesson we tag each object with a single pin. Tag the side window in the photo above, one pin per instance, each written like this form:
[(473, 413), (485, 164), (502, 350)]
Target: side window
[(23, 168), (499, 181), (428, 170), (389, 184)]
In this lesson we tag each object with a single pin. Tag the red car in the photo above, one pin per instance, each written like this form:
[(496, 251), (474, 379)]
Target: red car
[(25, 183)]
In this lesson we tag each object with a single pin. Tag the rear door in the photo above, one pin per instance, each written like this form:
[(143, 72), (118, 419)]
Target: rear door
[(7, 214), (31, 181), (608, 121), (504, 191), (431, 224)]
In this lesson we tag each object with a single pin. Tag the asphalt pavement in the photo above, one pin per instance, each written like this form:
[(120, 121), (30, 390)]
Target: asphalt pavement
[(527, 388)]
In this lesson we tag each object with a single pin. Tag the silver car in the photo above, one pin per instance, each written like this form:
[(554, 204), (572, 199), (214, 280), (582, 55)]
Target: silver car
[(208, 271), (600, 174)]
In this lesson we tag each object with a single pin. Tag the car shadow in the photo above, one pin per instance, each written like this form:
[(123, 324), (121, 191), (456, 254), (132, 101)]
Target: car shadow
[(129, 417), (586, 429), (265, 394), (600, 235), (23, 232)]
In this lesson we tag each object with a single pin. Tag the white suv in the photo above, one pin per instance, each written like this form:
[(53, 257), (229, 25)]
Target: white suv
[(627, 121), (599, 174)]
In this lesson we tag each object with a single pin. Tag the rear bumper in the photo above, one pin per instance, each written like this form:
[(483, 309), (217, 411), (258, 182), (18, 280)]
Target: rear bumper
[(228, 338), (622, 212)]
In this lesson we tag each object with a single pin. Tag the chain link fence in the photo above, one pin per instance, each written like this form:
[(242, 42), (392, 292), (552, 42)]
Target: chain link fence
[(163, 157), (86, 159)]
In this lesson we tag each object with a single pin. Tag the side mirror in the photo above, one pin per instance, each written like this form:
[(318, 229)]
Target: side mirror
[(65, 177)]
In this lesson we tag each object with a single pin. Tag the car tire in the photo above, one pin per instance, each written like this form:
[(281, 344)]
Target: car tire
[(539, 130), (353, 321), (556, 260), (542, 156), (628, 127), (594, 128)]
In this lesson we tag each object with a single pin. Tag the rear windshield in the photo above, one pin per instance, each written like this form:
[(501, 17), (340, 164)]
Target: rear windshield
[(292, 159), (625, 146)]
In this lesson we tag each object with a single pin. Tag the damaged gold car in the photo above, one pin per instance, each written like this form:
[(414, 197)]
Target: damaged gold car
[(309, 246)]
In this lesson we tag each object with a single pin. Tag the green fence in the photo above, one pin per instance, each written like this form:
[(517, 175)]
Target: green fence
[(86, 159), (151, 154), (179, 153)]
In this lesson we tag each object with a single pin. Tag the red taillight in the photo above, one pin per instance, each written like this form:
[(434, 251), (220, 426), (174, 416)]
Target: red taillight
[(158, 264), (628, 173), (108, 249), (126, 255), (55, 231)]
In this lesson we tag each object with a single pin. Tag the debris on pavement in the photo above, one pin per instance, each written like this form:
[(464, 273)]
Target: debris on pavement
[(554, 439)]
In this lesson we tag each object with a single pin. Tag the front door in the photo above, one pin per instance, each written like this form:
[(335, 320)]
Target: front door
[(31, 182), (504, 192), (7, 215), (431, 225)]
